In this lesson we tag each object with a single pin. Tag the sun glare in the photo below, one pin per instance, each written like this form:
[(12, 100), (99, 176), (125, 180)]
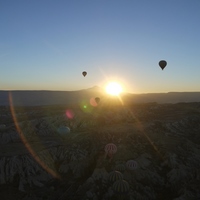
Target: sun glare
[(113, 88)]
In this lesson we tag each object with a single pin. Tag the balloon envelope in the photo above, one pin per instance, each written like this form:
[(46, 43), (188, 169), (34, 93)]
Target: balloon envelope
[(84, 73), (114, 176), (131, 164), (110, 148), (121, 187), (162, 64), (120, 167)]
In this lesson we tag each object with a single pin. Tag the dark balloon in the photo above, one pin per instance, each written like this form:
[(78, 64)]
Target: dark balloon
[(97, 99), (110, 147), (120, 167), (162, 64), (115, 176), (121, 187), (84, 73), (131, 164)]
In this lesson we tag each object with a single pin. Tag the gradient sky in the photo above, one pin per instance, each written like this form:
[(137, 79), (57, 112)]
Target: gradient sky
[(46, 44)]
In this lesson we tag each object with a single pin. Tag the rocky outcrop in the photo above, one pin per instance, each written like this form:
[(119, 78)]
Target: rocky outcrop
[(25, 168), (40, 164)]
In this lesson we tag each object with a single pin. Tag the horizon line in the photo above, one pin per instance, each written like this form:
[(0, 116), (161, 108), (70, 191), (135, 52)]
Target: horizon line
[(17, 90)]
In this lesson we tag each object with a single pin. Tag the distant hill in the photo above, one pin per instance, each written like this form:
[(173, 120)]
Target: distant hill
[(34, 98), (170, 97)]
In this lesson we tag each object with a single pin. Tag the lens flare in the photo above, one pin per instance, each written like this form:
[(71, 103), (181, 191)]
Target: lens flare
[(93, 102), (27, 144), (69, 113), (85, 106)]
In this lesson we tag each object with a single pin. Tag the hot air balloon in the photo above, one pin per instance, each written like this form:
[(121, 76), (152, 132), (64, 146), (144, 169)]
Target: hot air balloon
[(162, 64), (84, 73), (97, 99), (131, 164), (121, 187), (110, 149), (115, 176), (120, 167)]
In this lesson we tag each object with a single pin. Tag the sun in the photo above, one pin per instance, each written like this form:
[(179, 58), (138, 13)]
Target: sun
[(113, 88)]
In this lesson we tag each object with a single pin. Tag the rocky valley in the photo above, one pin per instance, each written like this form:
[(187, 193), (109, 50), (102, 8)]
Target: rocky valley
[(36, 162)]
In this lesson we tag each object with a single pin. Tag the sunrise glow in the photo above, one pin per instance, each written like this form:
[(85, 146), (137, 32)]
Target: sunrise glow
[(113, 88)]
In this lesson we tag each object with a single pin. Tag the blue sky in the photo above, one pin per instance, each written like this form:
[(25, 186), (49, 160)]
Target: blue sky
[(46, 44)]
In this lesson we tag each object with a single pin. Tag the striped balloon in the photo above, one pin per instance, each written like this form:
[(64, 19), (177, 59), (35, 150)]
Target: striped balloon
[(121, 168), (114, 176), (121, 187), (131, 164), (110, 148)]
